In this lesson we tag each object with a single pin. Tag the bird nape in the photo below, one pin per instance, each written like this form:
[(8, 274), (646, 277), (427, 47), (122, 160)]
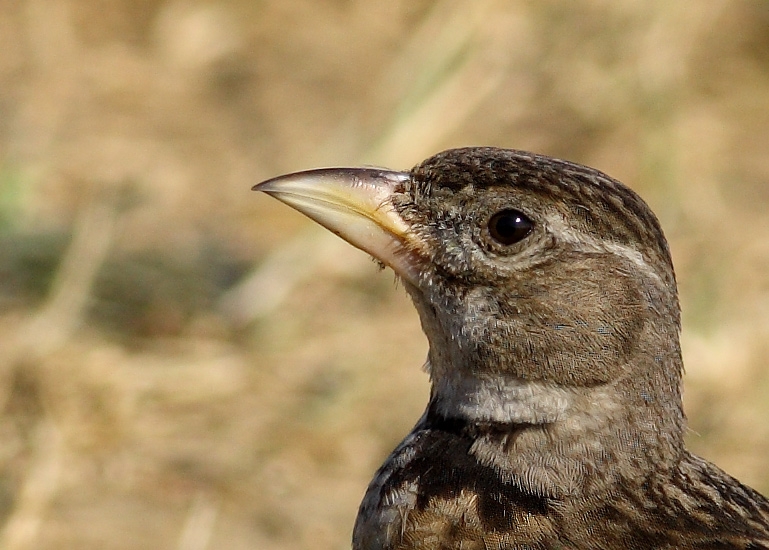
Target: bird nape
[(548, 298)]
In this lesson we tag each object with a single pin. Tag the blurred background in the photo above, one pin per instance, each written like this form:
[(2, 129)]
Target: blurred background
[(185, 364)]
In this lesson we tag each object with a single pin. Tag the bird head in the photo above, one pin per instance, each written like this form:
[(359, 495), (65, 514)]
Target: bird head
[(545, 288)]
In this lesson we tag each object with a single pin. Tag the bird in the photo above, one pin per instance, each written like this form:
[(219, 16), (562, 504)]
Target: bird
[(547, 294)]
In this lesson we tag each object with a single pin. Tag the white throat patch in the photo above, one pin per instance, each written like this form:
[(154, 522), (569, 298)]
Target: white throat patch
[(500, 400)]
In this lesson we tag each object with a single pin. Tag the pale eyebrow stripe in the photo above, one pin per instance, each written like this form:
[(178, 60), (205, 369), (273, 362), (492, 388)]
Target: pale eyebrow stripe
[(588, 243)]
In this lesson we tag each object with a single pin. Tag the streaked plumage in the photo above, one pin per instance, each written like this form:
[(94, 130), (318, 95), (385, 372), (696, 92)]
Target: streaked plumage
[(547, 294)]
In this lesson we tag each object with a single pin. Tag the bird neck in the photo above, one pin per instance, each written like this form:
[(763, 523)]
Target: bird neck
[(555, 413), (559, 442)]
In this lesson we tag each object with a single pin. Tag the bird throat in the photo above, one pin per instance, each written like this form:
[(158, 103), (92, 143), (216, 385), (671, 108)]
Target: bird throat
[(499, 400)]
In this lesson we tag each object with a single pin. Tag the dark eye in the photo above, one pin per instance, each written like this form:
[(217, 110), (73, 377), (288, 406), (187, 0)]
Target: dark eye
[(509, 226)]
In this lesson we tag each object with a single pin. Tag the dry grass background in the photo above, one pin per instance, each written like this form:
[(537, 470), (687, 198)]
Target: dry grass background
[(187, 365)]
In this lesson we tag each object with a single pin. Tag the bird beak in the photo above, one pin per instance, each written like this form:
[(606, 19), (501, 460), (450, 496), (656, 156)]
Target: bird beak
[(356, 204)]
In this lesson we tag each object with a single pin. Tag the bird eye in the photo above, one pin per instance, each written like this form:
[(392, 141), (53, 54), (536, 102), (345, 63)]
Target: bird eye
[(509, 226)]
